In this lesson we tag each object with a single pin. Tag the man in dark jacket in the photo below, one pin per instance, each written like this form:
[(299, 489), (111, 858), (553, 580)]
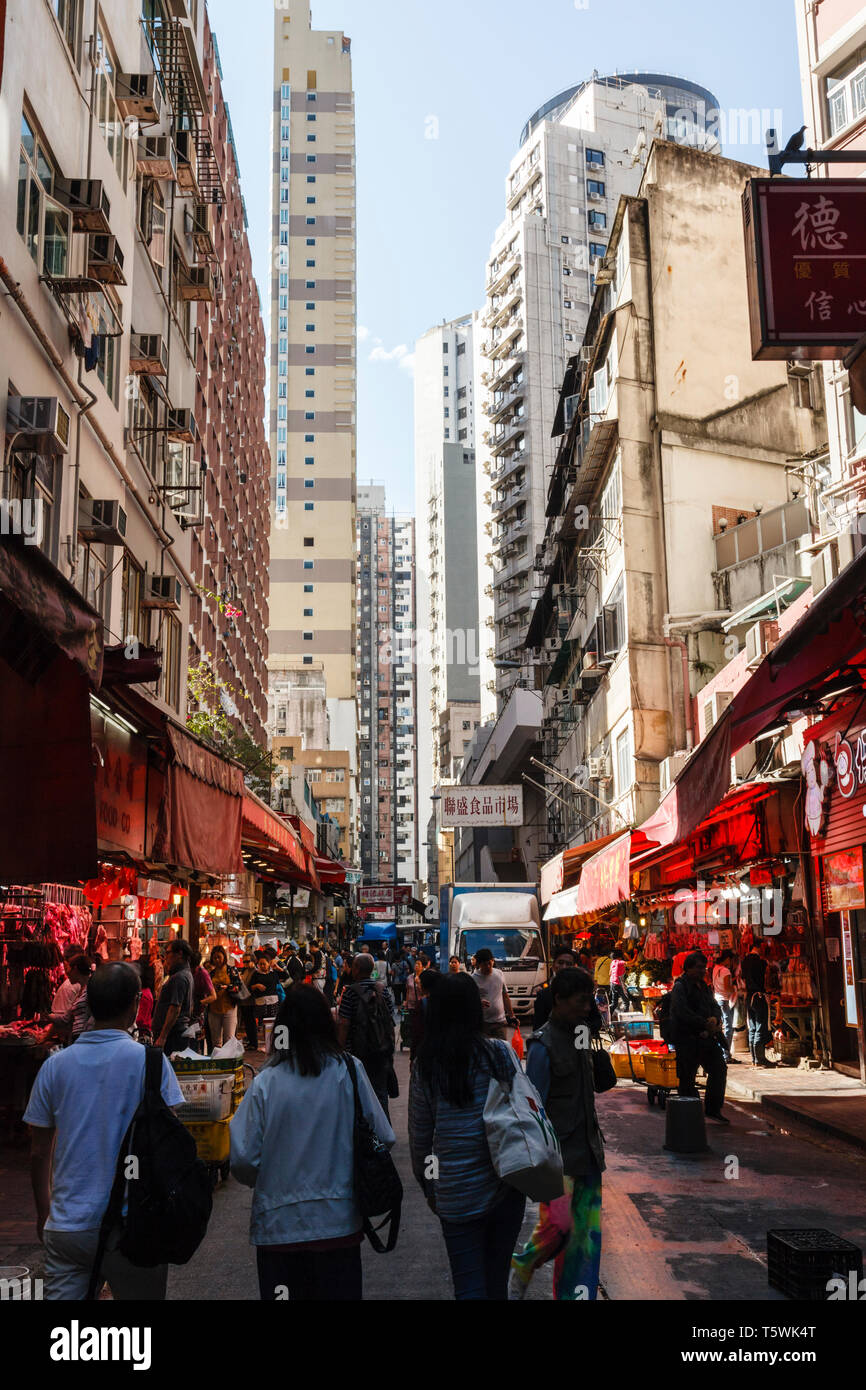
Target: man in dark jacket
[(757, 1003), (695, 1030), (559, 1065)]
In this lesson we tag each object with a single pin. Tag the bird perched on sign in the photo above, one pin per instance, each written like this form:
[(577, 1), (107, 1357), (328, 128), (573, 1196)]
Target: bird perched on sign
[(797, 141)]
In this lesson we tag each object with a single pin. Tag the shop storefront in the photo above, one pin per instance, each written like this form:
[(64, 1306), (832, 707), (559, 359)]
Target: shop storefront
[(834, 830)]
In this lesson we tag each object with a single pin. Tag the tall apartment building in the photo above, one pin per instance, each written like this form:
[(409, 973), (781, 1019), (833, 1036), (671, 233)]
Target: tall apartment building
[(387, 692), (447, 569), (578, 154), (114, 247), (229, 615), (832, 39), (313, 370)]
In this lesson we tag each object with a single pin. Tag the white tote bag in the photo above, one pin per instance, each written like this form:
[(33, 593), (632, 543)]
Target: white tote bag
[(523, 1145)]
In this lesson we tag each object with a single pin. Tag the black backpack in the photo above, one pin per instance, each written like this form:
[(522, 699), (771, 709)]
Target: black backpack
[(378, 1188), (372, 1032), (168, 1205)]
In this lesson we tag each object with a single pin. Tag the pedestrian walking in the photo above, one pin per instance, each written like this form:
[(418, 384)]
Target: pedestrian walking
[(495, 1002), (365, 1025), (223, 1012), (454, 966), (725, 995), (292, 1141), (203, 995), (144, 1017), (173, 1012), (563, 960), (263, 988), (757, 1003), (480, 1215), (400, 978), (81, 1106), (601, 971), (248, 1010), (695, 1031), (568, 1230), (618, 969)]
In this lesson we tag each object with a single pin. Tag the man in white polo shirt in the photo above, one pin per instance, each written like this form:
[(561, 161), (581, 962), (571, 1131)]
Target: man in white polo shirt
[(81, 1106), (494, 996)]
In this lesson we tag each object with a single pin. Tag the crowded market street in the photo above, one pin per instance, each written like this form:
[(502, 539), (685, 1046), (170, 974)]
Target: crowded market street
[(673, 1227)]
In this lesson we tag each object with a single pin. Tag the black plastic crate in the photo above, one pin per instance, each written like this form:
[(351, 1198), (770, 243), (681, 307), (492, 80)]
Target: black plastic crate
[(801, 1263)]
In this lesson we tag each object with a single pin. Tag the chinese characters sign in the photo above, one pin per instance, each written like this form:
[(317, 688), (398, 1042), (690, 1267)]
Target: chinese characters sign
[(806, 263), (478, 806), (391, 895), (120, 771)]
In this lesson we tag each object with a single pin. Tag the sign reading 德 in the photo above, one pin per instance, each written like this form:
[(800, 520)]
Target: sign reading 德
[(477, 806), (806, 266)]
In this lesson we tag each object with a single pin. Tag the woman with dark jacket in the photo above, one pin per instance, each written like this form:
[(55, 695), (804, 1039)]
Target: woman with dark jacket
[(559, 1065), (481, 1216)]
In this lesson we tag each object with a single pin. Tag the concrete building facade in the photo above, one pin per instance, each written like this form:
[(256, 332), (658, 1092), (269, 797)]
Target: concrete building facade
[(677, 530), (112, 222), (387, 693), (313, 369), (578, 155)]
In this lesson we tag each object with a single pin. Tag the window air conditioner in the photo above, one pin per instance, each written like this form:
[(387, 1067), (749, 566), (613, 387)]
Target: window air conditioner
[(600, 769), (101, 521), (714, 709), (105, 260), (161, 591), (187, 161), (139, 96), (148, 354), (197, 284), (156, 158), (760, 641), (670, 770), (180, 427), (40, 423), (88, 203)]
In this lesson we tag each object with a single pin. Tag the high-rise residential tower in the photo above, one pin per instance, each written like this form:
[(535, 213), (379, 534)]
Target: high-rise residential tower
[(445, 500), (313, 371), (387, 694), (578, 154)]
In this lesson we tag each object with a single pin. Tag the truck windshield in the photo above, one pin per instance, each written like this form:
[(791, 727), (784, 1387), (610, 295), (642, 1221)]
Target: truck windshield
[(509, 943)]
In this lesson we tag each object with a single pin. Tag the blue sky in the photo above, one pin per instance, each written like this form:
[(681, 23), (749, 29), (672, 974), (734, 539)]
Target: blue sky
[(428, 208)]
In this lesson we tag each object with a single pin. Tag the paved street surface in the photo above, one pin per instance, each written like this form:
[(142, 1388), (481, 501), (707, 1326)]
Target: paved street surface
[(673, 1227)]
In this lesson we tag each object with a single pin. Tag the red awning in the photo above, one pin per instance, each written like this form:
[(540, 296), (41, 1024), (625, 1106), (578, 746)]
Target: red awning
[(330, 873), (262, 827), (41, 613), (307, 838), (826, 647), (605, 879), (200, 821)]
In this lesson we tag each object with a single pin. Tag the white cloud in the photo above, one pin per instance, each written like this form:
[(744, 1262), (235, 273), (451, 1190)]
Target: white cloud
[(363, 333), (380, 354)]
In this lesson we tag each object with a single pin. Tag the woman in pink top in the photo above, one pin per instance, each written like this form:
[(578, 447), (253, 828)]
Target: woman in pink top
[(618, 968)]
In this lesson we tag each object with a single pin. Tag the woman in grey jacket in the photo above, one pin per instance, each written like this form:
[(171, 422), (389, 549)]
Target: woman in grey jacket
[(481, 1216), (292, 1141)]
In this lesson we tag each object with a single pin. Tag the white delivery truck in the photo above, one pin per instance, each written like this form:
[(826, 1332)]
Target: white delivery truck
[(504, 917)]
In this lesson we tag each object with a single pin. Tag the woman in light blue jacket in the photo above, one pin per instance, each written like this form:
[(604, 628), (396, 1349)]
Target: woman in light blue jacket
[(292, 1141)]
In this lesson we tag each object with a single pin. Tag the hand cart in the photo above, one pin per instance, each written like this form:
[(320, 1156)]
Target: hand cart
[(213, 1090), (661, 1078)]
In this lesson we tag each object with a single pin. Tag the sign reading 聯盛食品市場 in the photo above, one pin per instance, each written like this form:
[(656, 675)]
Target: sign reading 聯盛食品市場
[(473, 806), (806, 266)]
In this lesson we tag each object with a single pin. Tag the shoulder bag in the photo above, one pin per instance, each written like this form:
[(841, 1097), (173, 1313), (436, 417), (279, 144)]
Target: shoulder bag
[(603, 1074), (523, 1144), (378, 1188)]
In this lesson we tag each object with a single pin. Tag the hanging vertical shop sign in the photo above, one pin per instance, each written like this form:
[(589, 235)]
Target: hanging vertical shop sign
[(843, 878), (850, 979), (120, 776), (806, 266)]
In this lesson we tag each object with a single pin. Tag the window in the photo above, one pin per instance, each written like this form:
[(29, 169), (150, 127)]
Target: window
[(624, 776), (172, 635), (108, 116), (846, 92), (309, 482), (44, 224), (461, 349), (311, 202), (567, 304), (311, 116), (311, 139), (309, 462), (597, 249), (309, 588), (309, 506), (595, 188), (595, 157), (309, 394), (308, 564), (68, 14), (308, 661), (597, 219), (134, 616), (309, 541), (311, 265), (308, 636)]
